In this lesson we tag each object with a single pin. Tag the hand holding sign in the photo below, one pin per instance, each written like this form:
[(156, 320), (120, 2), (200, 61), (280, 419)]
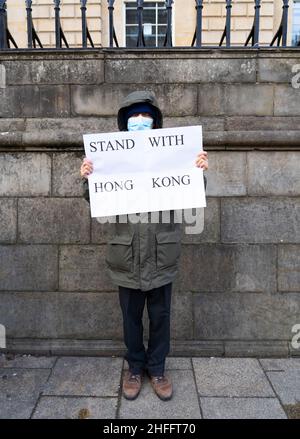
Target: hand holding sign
[(202, 160), (86, 168), (145, 171)]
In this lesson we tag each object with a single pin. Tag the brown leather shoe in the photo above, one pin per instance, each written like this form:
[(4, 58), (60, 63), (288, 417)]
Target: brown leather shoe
[(162, 386), (131, 385)]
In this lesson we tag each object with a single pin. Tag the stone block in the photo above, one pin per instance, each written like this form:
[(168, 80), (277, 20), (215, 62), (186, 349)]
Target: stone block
[(35, 101), (231, 377), (195, 70), (87, 376), (66, 179), (211, 231), (27, 362), (279, 364), (60, 407), (260, 220), (277, 69), (21, 101), (105, 100), (288, 268), (261, 124), (19, 391), (255, 317), (54, 101), (28, 267), (11, 139), (273, 173), (235, 99), (240, 268), (178, 363), (8, 220), (208, 123), (65, 132), (54, 221), (25, 174), (242, 408), (249, 99), (226, 175), (286, 101), (83, 268), (52, 315), (211, 100), (286, 385), (9, 125), (45, 71), (182, 316)]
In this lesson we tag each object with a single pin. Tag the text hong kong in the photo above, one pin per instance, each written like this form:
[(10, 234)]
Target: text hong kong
[(129, 144)]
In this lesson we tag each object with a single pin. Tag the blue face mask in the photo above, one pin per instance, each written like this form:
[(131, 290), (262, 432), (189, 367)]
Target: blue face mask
[(138, 123)]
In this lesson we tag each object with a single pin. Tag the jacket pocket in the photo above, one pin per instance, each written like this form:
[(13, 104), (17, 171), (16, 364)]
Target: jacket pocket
[(119, 252), (168, 248)]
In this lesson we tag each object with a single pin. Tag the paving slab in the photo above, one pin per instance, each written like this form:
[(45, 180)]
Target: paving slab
[(85, 376), (284, 374), (183, 405), (231, 377), (286, 385), (61, 407), (27, 361), (16, 409), (180, 363), (242, 408), (280, 364), (19, 391), (72, 387)]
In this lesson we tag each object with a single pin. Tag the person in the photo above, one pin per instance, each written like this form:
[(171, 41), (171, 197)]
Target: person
[(142, 260)]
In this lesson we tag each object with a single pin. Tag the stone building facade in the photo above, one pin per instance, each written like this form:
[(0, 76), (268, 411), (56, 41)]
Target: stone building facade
[(184, 20), (238, 290)]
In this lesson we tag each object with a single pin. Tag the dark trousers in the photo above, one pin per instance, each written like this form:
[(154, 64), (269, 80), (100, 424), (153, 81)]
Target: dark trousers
[(158, 305)]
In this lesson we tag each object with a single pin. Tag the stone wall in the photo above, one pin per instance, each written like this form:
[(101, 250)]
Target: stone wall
[(238, 291)]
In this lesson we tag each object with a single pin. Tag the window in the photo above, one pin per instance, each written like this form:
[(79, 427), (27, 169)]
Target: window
[(296, 23), (155, 23)]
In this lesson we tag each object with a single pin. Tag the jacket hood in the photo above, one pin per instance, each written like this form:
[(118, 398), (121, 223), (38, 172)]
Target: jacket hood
[(138, 97)]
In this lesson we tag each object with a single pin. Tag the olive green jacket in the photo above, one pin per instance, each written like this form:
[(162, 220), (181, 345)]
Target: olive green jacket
[(143, 255)]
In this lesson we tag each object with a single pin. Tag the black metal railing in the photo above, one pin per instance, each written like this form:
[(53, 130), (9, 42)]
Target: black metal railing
[(7, 40), (254, 33), (226, 33)]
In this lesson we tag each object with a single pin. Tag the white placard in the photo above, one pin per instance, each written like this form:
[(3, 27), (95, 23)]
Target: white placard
[(145, 171)]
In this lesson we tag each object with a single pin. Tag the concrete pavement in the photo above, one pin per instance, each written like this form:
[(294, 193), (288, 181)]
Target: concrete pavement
[(204, 388)]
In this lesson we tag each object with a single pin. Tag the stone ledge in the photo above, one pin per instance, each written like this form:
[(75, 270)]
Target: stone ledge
[(177, 52), (201, 348), (256, 348), (269, 140)]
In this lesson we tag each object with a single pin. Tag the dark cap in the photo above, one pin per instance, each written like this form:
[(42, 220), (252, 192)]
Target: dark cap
[(130, 103)]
